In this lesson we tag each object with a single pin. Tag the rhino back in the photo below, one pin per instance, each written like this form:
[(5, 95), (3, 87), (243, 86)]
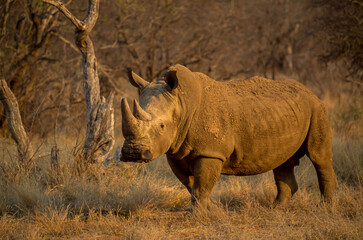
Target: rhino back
[(252, 125)]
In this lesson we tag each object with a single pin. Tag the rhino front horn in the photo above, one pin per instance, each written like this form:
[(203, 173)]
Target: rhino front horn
[(130, 125), (140, 113)]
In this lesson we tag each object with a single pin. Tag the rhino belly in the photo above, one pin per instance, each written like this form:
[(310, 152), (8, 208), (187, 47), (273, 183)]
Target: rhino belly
[(261, 158), (270, 136)]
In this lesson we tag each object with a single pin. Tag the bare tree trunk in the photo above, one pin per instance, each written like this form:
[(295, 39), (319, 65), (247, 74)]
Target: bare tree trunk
[(100, 113), (16, 126)]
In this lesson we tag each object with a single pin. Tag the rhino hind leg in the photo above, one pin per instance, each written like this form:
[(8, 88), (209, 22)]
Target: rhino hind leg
[(327, 180), (319, 150), (285, 181), (206, 173)]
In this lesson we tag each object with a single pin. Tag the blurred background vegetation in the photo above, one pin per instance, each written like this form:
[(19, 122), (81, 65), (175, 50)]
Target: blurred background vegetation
[(318, 42)]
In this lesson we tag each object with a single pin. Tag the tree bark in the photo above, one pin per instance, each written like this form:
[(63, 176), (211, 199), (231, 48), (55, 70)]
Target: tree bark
[(100, 113), (16, 128)]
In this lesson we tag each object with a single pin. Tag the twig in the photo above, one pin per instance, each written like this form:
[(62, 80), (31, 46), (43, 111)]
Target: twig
[(355, 82), (66, 41)]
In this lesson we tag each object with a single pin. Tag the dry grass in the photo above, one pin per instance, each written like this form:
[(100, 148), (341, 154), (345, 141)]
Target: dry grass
[(135, 201)]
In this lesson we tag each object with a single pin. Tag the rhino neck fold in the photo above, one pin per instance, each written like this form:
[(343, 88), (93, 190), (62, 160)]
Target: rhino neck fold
[(180, 144), (189, 100)]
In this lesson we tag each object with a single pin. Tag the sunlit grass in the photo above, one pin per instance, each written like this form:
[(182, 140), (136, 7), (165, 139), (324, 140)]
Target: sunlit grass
[(141, 201)]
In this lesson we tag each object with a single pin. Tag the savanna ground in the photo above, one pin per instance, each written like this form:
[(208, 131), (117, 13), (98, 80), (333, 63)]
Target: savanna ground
[(146, 201)]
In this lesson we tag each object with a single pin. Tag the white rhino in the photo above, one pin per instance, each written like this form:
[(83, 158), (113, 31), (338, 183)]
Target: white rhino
[(207, 128)]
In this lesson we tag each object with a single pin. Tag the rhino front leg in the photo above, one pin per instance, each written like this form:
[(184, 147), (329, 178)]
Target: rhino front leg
[(186, 179), (206, 173)]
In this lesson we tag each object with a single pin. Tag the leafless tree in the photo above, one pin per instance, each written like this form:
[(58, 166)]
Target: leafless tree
[(100, 114)]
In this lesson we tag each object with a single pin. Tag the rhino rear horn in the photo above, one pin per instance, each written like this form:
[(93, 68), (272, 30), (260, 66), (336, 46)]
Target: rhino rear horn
[(136, 80), (140, 113), (130, 125)]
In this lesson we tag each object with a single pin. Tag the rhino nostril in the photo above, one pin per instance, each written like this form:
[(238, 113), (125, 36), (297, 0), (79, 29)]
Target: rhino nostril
[(146, 155)]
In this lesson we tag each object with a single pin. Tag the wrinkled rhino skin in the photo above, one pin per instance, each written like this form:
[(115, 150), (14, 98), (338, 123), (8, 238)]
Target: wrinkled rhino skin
[(208, 128)]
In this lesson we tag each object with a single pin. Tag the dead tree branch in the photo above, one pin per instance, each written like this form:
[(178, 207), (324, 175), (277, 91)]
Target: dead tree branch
[(16, 125), (100, 118), (80, 25)]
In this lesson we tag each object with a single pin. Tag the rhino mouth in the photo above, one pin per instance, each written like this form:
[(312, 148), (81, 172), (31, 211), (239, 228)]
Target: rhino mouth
[(132, 153)]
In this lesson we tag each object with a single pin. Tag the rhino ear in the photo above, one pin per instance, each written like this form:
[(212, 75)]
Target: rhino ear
[(136, 80), (172, 80)]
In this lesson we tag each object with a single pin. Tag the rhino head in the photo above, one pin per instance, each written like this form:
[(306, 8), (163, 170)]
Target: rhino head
[(150, 129)]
